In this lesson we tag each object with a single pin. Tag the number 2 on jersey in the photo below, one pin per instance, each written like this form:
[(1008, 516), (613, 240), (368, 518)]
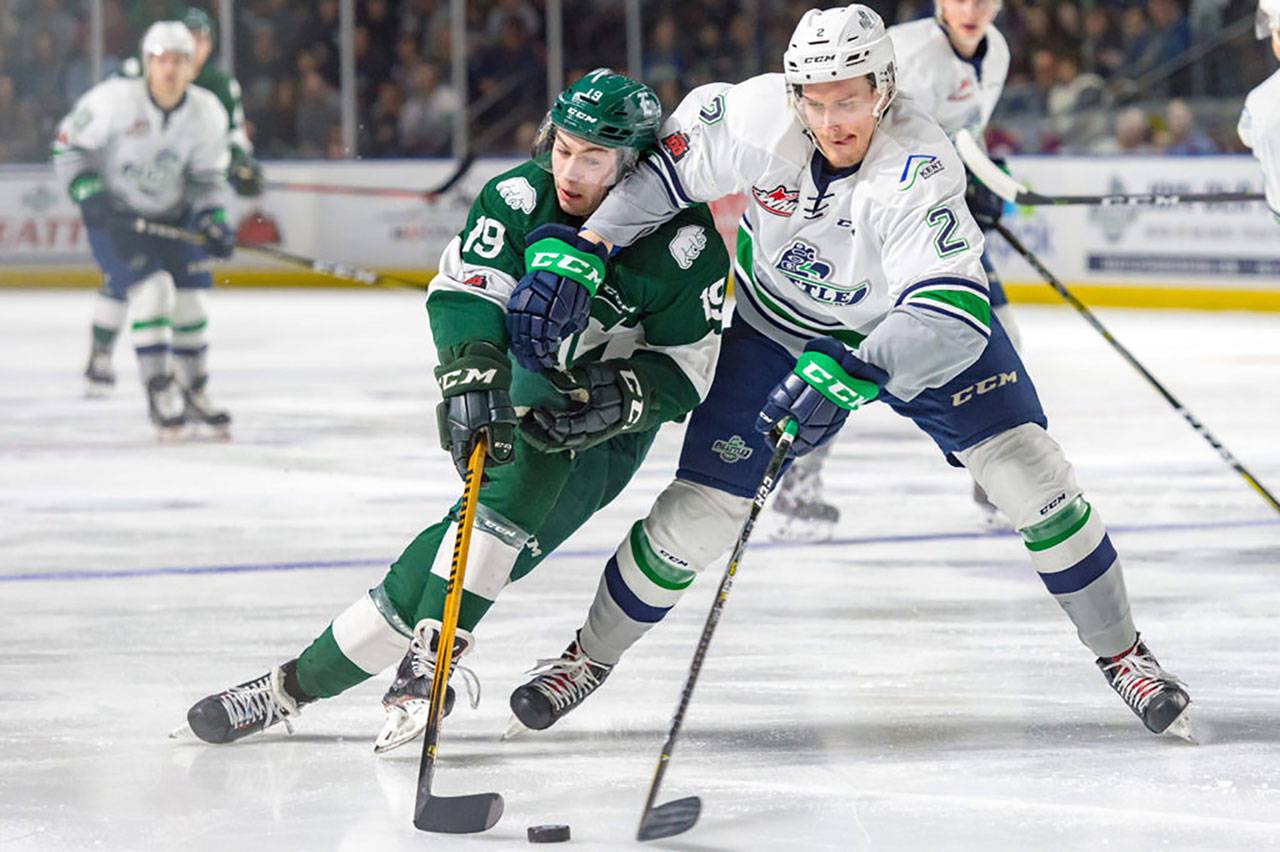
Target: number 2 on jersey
[(944, 219)]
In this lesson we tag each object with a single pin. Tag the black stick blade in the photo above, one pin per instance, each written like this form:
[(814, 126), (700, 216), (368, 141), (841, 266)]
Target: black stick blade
[(670, 819), (459, 814)]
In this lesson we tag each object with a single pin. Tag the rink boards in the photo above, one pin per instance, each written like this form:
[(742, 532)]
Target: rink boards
[(1204, 256)]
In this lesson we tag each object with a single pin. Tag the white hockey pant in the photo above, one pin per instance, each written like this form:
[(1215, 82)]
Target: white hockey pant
[(151, 303)]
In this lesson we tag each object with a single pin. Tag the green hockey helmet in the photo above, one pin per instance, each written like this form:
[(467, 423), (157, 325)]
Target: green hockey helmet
[(606, 109), (198, 21)]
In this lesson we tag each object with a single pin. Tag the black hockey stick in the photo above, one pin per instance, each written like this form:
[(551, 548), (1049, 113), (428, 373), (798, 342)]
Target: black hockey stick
[(1005, 186), (324, 267), (1084, 311), (680, 815), (477, 811), (464, 165)]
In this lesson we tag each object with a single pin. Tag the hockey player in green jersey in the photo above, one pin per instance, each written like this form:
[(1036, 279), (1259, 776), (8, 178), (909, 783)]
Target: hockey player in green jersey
[(644, 356), (243, 174)]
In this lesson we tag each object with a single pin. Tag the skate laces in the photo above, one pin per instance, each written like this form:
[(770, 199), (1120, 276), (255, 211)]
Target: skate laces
[(567, 678), (264, 698), (423, 662), (1137, 677)]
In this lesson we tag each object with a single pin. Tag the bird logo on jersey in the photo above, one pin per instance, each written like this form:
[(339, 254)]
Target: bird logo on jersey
[(779, 201), (802, 266), (519, 194)]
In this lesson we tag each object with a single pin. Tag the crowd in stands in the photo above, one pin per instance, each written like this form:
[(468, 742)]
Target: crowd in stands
[(1089, 76)]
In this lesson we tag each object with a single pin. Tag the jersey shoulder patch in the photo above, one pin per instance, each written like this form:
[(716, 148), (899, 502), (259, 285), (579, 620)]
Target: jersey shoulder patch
[(518, 194), (687, 244)]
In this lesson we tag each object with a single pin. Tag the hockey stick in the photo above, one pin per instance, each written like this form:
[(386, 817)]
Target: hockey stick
[(680, 815), (464, 165), (477, 811), (1004, 185), (324, 267), (1084, 311)]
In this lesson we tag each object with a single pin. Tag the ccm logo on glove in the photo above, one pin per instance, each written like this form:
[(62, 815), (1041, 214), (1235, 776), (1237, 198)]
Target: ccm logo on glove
[(565, 264), (467, 376)]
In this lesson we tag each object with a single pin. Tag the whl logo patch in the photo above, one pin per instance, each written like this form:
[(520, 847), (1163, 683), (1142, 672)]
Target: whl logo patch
[(733, 450), (676, 145), (779, 201), (801, 265)]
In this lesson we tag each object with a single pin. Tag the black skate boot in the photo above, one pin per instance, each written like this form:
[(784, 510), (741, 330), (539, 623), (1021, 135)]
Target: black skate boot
[(164, 405), (1158, 698), (408, 701), (561, 685), (250, 707), (99, 377), (201, 413)]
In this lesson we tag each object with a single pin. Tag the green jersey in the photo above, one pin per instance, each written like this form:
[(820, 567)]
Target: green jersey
[(659, 307)]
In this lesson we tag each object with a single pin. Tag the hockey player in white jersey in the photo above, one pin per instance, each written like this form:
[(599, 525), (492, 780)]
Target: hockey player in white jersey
[(953, 67), (1259, 126), (155, 147), (859, 279)]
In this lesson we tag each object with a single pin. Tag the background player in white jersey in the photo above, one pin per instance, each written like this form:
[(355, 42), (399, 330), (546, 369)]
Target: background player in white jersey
[(155, 147), (243, 173), (858, 255), (953, 68), (1260, 121)]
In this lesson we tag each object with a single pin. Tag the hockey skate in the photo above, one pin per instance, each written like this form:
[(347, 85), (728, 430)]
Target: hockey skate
[(164, 405), (246, 709), (560, 685), (1157, 698), (99, 377), (204, 419), (801, 513), (408, 701)]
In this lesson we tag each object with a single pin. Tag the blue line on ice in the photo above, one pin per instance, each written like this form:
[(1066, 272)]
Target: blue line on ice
[(595, 552)]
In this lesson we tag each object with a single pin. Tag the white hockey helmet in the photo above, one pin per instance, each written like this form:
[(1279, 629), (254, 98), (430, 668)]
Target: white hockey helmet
[(837, 44), (168, 36), (1267, 19)]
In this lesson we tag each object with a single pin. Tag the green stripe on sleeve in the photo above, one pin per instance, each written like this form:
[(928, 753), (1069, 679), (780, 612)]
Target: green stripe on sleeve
[(971, 303)]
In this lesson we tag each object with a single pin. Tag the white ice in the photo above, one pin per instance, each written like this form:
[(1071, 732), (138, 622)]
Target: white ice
[(908, 685)]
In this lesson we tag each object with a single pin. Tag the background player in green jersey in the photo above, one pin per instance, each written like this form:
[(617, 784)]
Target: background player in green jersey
[(644, 356)]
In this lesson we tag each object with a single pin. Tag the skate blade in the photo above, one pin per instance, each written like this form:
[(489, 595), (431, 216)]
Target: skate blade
[(170, 434), (182, 732), (97, 390), (1181, 728), (515, 728), (208, 432), (401, 727)]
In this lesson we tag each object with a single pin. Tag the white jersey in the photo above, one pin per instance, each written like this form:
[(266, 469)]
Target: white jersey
[(1259, 129), (884, 257), (958, 93), (154, 163)]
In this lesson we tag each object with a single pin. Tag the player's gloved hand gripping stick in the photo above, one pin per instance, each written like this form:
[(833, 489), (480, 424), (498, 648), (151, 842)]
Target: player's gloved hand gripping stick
[(679, 815), (553, 299), (608, 398), (477, 811), (828, 382), (475, 378)]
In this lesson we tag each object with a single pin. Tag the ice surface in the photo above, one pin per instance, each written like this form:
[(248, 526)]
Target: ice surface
[(908, 685)]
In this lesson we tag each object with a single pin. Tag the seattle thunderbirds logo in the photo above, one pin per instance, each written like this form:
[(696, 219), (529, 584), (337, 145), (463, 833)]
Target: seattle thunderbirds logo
[(801, 264)]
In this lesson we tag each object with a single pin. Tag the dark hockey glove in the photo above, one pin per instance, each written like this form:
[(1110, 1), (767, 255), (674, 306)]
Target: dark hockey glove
[(553, 299), (245, 175), (608, 398), (90, 192), (827, 383), (985, 205), (475, 379), (219, 239)]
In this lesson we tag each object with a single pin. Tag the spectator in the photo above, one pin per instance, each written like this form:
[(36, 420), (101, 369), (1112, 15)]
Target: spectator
[(1105, 41), (277, 132), (1075, 105), (382, 126), (662, 61), (1132, 134), (319, 114), (1184, 135), (426, 121)]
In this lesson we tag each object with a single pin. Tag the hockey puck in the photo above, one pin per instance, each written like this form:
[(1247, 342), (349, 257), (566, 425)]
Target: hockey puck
[(548, 833)]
